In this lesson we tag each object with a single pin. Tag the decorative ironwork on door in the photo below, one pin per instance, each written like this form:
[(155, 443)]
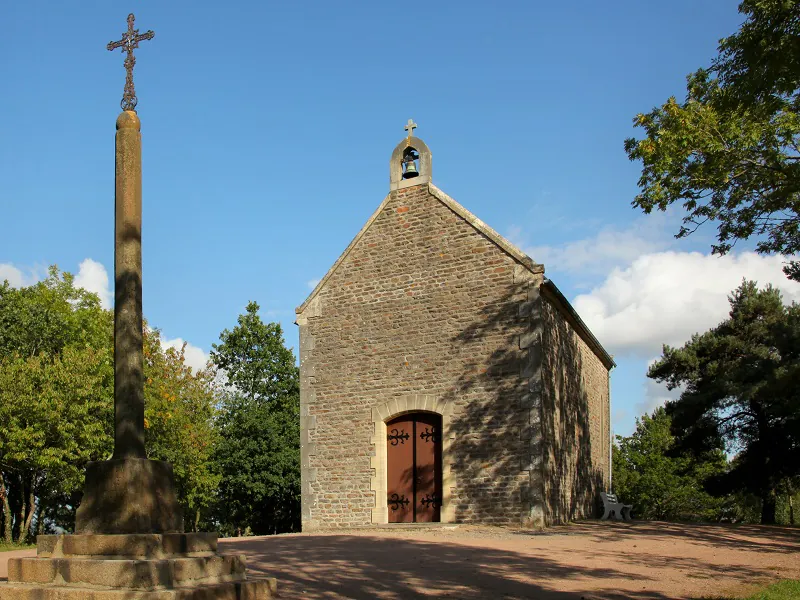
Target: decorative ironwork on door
[(430, 435), (414, 472), (398, 437), (431, 500), (396, 501)]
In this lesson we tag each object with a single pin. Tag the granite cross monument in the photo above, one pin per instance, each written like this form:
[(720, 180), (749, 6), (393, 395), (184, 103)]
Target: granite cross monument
[(129, 541)]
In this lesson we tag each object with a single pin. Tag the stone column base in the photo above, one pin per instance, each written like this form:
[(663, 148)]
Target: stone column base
[(177, 566), (129, 495)]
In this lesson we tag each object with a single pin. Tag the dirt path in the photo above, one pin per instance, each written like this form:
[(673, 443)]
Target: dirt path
[(594, 559)]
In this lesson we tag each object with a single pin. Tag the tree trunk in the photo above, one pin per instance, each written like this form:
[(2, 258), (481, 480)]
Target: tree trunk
[(23, 536), (6, 511), (20, 520), (791, 511), (39, 530), (196, 520), (768, 502)]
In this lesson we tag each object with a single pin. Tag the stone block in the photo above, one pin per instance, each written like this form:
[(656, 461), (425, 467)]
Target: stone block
[(254, 589), (132, 567), (188, 543), (129, 495), (149, 545), (528, 339), (32, 570), (530, 364), (127, 573), (525, 309), (428, 402)]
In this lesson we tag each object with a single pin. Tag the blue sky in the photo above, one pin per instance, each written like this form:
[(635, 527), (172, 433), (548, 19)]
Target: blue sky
[(267, 130)]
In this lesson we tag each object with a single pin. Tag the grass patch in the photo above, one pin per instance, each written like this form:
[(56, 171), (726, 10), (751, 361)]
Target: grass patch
[(4, 547), (787, 589)]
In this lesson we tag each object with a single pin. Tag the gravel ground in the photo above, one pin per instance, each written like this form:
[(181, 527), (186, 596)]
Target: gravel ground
[(597, 560)]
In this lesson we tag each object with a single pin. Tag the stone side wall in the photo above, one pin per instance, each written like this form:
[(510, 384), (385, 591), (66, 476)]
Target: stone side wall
[(575, 420), (423, 304)]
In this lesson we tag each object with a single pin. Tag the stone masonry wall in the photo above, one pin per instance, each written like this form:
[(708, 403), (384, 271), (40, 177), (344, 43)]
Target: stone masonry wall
[(575, 420), (422, 304)]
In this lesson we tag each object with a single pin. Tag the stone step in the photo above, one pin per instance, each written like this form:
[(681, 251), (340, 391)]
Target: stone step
[(252, 589), (127, 573), (149, 545)]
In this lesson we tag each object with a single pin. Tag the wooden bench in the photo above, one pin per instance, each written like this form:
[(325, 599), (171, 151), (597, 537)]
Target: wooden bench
[(611, 504)]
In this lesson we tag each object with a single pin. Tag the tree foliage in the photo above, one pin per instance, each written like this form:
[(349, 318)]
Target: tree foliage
[(235, 451), (56, 394), (740, 386), (51, 314), (56, 405), (180, 406), (258, 453), (730, 151), (56, 416), (658, 482), (255, 360)]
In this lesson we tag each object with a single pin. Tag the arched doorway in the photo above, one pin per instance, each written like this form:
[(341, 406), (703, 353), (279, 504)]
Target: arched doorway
[(414, 468)]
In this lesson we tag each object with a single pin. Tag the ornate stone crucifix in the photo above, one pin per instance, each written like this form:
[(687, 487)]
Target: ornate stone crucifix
[(128, 351), (128, 493), (130, 40)]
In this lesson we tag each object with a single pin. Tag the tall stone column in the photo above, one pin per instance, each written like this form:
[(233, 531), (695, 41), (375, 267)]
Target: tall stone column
[(128, 493), (128, 342)]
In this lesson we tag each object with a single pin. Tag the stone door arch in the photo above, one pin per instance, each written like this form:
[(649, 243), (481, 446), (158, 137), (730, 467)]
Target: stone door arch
[(387, 412)]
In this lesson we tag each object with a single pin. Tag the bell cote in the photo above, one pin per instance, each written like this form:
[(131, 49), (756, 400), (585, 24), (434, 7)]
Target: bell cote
[(411, 161)]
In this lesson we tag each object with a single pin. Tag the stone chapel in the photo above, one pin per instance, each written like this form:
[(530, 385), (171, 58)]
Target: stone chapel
[(443, 377)]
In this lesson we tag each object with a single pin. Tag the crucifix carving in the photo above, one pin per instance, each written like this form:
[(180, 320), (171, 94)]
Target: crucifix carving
[(410, 127), (130, 40)]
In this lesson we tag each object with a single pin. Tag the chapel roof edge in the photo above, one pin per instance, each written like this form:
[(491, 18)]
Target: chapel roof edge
[(577, 322), (506, 246)]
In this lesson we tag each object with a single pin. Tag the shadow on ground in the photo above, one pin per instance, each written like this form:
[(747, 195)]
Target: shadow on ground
[(362, 567), (752, 538), (599, 560)]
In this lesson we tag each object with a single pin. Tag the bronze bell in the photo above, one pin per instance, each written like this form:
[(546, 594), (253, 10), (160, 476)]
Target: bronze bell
[(411, 168)]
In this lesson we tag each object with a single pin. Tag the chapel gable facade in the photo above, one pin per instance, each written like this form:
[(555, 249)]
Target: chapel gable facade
[(443, 377)]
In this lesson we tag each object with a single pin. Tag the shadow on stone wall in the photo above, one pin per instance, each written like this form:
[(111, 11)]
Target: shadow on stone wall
[(497, 454), (572, 483)]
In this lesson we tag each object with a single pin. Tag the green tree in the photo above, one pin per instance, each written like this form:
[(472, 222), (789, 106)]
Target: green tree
[(658, 482), (740, 386), (180, 406), (55, 379), (56, 415), (730, 151), (258, 453), (51, 314), (255, 360), (56, 406)]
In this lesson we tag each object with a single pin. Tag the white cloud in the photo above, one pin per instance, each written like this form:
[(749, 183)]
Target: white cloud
[(16, 277), (195, 357), (312, 283), (608, 248), (665, 297), (93, 277)]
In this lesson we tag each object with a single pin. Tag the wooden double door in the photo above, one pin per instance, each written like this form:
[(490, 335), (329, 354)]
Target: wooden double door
[(414, 468)]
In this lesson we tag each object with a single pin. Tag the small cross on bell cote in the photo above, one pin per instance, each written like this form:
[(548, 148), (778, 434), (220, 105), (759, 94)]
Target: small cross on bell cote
[(410, 164)]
